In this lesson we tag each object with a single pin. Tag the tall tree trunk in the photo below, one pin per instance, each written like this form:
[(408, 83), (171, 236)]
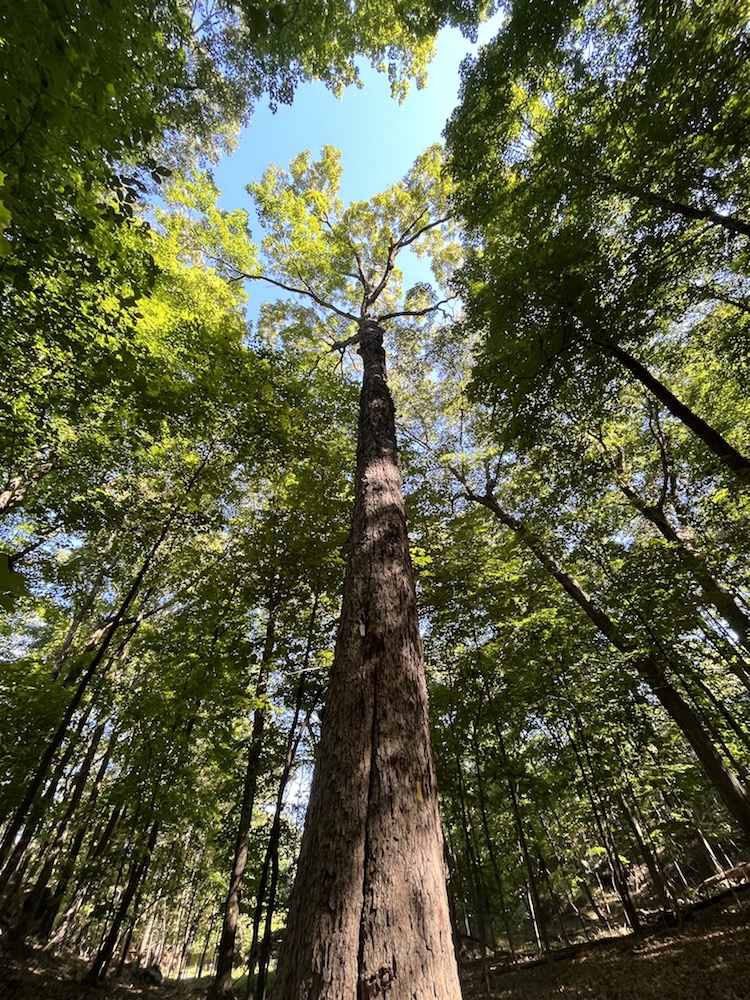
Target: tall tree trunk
[(473, 865), (105, 637), (206, 943), (490, 846), (731, 790), (137, 873), (68, 863), (260, 949), (658, 880), (225, 956), (598, 810), (265, 945), (724, 451), (37, 810), (532, 895), (369, 910), (714, 593), (79, 616), (730, 222), (38, 778), (35, 898)]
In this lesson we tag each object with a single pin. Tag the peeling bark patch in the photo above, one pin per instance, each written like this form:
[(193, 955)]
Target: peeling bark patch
[(378, 984)]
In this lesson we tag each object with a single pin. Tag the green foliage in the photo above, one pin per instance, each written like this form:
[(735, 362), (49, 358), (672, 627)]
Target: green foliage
[(172, 482), (601, 179), (341, 261)]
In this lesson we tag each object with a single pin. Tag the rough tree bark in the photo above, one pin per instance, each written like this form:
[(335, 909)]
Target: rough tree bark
[(369, 911)]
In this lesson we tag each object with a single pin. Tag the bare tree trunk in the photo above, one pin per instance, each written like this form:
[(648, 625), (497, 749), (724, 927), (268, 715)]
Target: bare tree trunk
[(78, 619), (654, 869), (491, 847), (731, 790), (38, 778), (209, 932), (260, 949), (369, 910), (37, 809), (724, 451), (137, 873), (265, 945), (35, 898), (67, 865), (532, 886), (714, 593), (473, 867), (225, 955)]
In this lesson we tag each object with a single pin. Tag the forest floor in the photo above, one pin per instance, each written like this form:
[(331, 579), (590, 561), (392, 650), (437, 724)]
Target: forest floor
[(706, 958)]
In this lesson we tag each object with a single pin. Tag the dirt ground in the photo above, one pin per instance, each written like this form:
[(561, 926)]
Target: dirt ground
[(707, 958)]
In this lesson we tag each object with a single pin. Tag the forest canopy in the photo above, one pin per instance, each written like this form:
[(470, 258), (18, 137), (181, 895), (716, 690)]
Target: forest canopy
[(184, 478)]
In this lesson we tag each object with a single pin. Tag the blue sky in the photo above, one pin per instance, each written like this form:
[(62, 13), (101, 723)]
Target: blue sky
[(378, 138)]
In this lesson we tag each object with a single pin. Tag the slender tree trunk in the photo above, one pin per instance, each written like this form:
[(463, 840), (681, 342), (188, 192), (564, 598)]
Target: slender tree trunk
[(127, 939), (37, 809), (265, 945), (37, 780), (708, 850), (491, 848), (654, 869), (67, 865), (96, 848), (145, 945), (731, 790), (369, 910), (473, 867), (78, 618), (724, 451), (35, 898), (596, 800), (225, 955), (260, 950), (730, 222), (137, 873), (544, 869), (714, 593), (206, 943), (534, 900)]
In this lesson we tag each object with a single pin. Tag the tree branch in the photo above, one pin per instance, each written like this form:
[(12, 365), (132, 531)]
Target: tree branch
[(404, 241), (244, 276), (341, 345), (416, 312)]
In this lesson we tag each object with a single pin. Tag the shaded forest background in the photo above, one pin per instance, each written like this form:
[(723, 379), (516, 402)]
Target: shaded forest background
[(572, 395)]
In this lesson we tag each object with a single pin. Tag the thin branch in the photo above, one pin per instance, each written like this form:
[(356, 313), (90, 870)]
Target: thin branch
[(244, 276), (416, 312), (713, 294), (373, 294), (440, 459), (405, 242), (341, 345), (400, 241)]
